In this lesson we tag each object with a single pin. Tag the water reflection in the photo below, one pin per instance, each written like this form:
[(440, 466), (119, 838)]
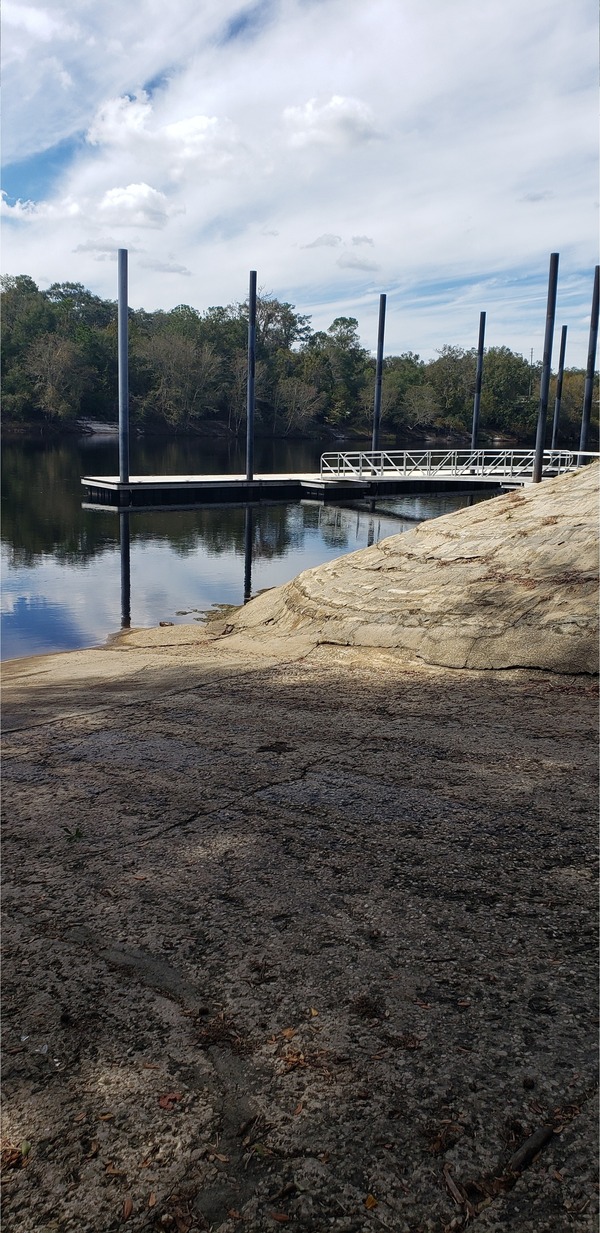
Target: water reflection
[(125, 549), (125, 555), (248, 545), (72, 577)]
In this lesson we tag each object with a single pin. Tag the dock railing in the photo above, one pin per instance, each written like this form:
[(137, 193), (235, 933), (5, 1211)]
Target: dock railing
[(449, 464)]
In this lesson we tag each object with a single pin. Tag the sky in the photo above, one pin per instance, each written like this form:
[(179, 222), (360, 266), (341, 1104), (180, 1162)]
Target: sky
[(437, 152)]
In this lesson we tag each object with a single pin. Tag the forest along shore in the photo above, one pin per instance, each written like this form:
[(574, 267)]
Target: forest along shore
[(188, 372), (302, 931)]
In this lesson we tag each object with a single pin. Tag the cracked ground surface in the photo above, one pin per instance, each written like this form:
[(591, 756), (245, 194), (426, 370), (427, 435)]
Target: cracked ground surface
[(305, 942)]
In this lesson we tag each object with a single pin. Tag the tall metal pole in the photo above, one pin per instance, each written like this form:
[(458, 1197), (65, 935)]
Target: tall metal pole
[(378, 375), (591, 363), (559, 385), (251, 376), (546, 369), (478, 377), (123, 370)]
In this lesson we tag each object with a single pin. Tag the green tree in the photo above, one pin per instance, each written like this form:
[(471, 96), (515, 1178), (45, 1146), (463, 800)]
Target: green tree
[(452, 377), (59, 374), (180, 378), (508, 401)]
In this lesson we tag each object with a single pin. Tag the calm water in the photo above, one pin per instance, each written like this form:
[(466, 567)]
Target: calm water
[(62, 565)]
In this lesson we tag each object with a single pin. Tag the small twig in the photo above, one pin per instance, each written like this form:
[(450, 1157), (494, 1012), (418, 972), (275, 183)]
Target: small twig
[(457, 1192), (530, 1148)]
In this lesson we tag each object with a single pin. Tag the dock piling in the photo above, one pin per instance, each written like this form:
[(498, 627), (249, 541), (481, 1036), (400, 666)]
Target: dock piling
[(123, 363), (546, 369), (478, 379), (378, 375), (250, 398)]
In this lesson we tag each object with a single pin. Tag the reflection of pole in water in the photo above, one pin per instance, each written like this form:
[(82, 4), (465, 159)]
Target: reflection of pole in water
[(125, 569), (371, 532), (248, 538)]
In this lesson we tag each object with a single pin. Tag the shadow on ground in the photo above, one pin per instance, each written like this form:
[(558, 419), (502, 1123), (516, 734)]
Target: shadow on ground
[(306, 943)]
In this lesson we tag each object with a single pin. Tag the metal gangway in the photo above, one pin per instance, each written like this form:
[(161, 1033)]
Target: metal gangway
[(506, 466)]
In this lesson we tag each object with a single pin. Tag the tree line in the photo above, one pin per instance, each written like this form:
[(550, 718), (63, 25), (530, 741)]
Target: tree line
[(187, 373)]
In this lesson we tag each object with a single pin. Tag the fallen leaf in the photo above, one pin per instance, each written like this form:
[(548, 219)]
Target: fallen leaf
[(288, 1033), (424, 1005), (233, 1214), (314, 1014), (280, 1217), (94, 1149), (169, 1099), (150, 1065), (371, 1202), (112, 1172), (105, 1117), (127, 1207), (294, 1058), (152, 1200), (298, 1109), (223, 1159), (80, 1117)]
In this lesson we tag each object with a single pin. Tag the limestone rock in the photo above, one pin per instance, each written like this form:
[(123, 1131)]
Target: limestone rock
[(508, 583)]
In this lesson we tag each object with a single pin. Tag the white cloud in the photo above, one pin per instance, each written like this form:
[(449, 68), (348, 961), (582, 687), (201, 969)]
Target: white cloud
[(457, 142), (38, 23), (137, 204), (31, 211), (348, 121), (327, 240), (120, 119)]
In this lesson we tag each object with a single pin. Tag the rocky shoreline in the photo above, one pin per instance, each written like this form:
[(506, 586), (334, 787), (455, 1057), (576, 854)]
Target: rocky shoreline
[(302, 933)]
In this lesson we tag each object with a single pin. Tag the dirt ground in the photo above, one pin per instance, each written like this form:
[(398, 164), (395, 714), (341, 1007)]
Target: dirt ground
[(306, 944)]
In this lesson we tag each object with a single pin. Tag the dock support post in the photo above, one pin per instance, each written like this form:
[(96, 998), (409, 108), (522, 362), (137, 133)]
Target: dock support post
[(378, 375), (124, 544), (559, 385), (251, 377), (538, 461), (123, 362), (591, 363), (478, 379), (248, 539)]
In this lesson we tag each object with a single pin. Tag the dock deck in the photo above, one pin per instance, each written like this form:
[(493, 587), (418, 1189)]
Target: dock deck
[(160, 491)]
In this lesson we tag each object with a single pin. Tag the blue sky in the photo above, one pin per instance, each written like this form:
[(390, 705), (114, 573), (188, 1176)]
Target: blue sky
[(436, 152)]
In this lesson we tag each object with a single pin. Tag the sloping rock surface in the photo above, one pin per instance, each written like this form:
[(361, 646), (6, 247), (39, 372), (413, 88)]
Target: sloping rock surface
[(510, 582)]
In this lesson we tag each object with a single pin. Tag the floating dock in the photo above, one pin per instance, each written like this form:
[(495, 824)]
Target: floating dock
[(349, 476), (172, 491)]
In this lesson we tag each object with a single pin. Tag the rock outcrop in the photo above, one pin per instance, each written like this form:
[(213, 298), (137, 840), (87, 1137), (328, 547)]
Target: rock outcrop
[(508, 583)]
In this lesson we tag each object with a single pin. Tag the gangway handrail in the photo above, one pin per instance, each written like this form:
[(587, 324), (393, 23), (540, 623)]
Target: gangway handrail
[(448, 463)]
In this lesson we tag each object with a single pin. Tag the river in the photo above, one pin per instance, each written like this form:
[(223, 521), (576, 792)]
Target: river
[(63, 580)]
